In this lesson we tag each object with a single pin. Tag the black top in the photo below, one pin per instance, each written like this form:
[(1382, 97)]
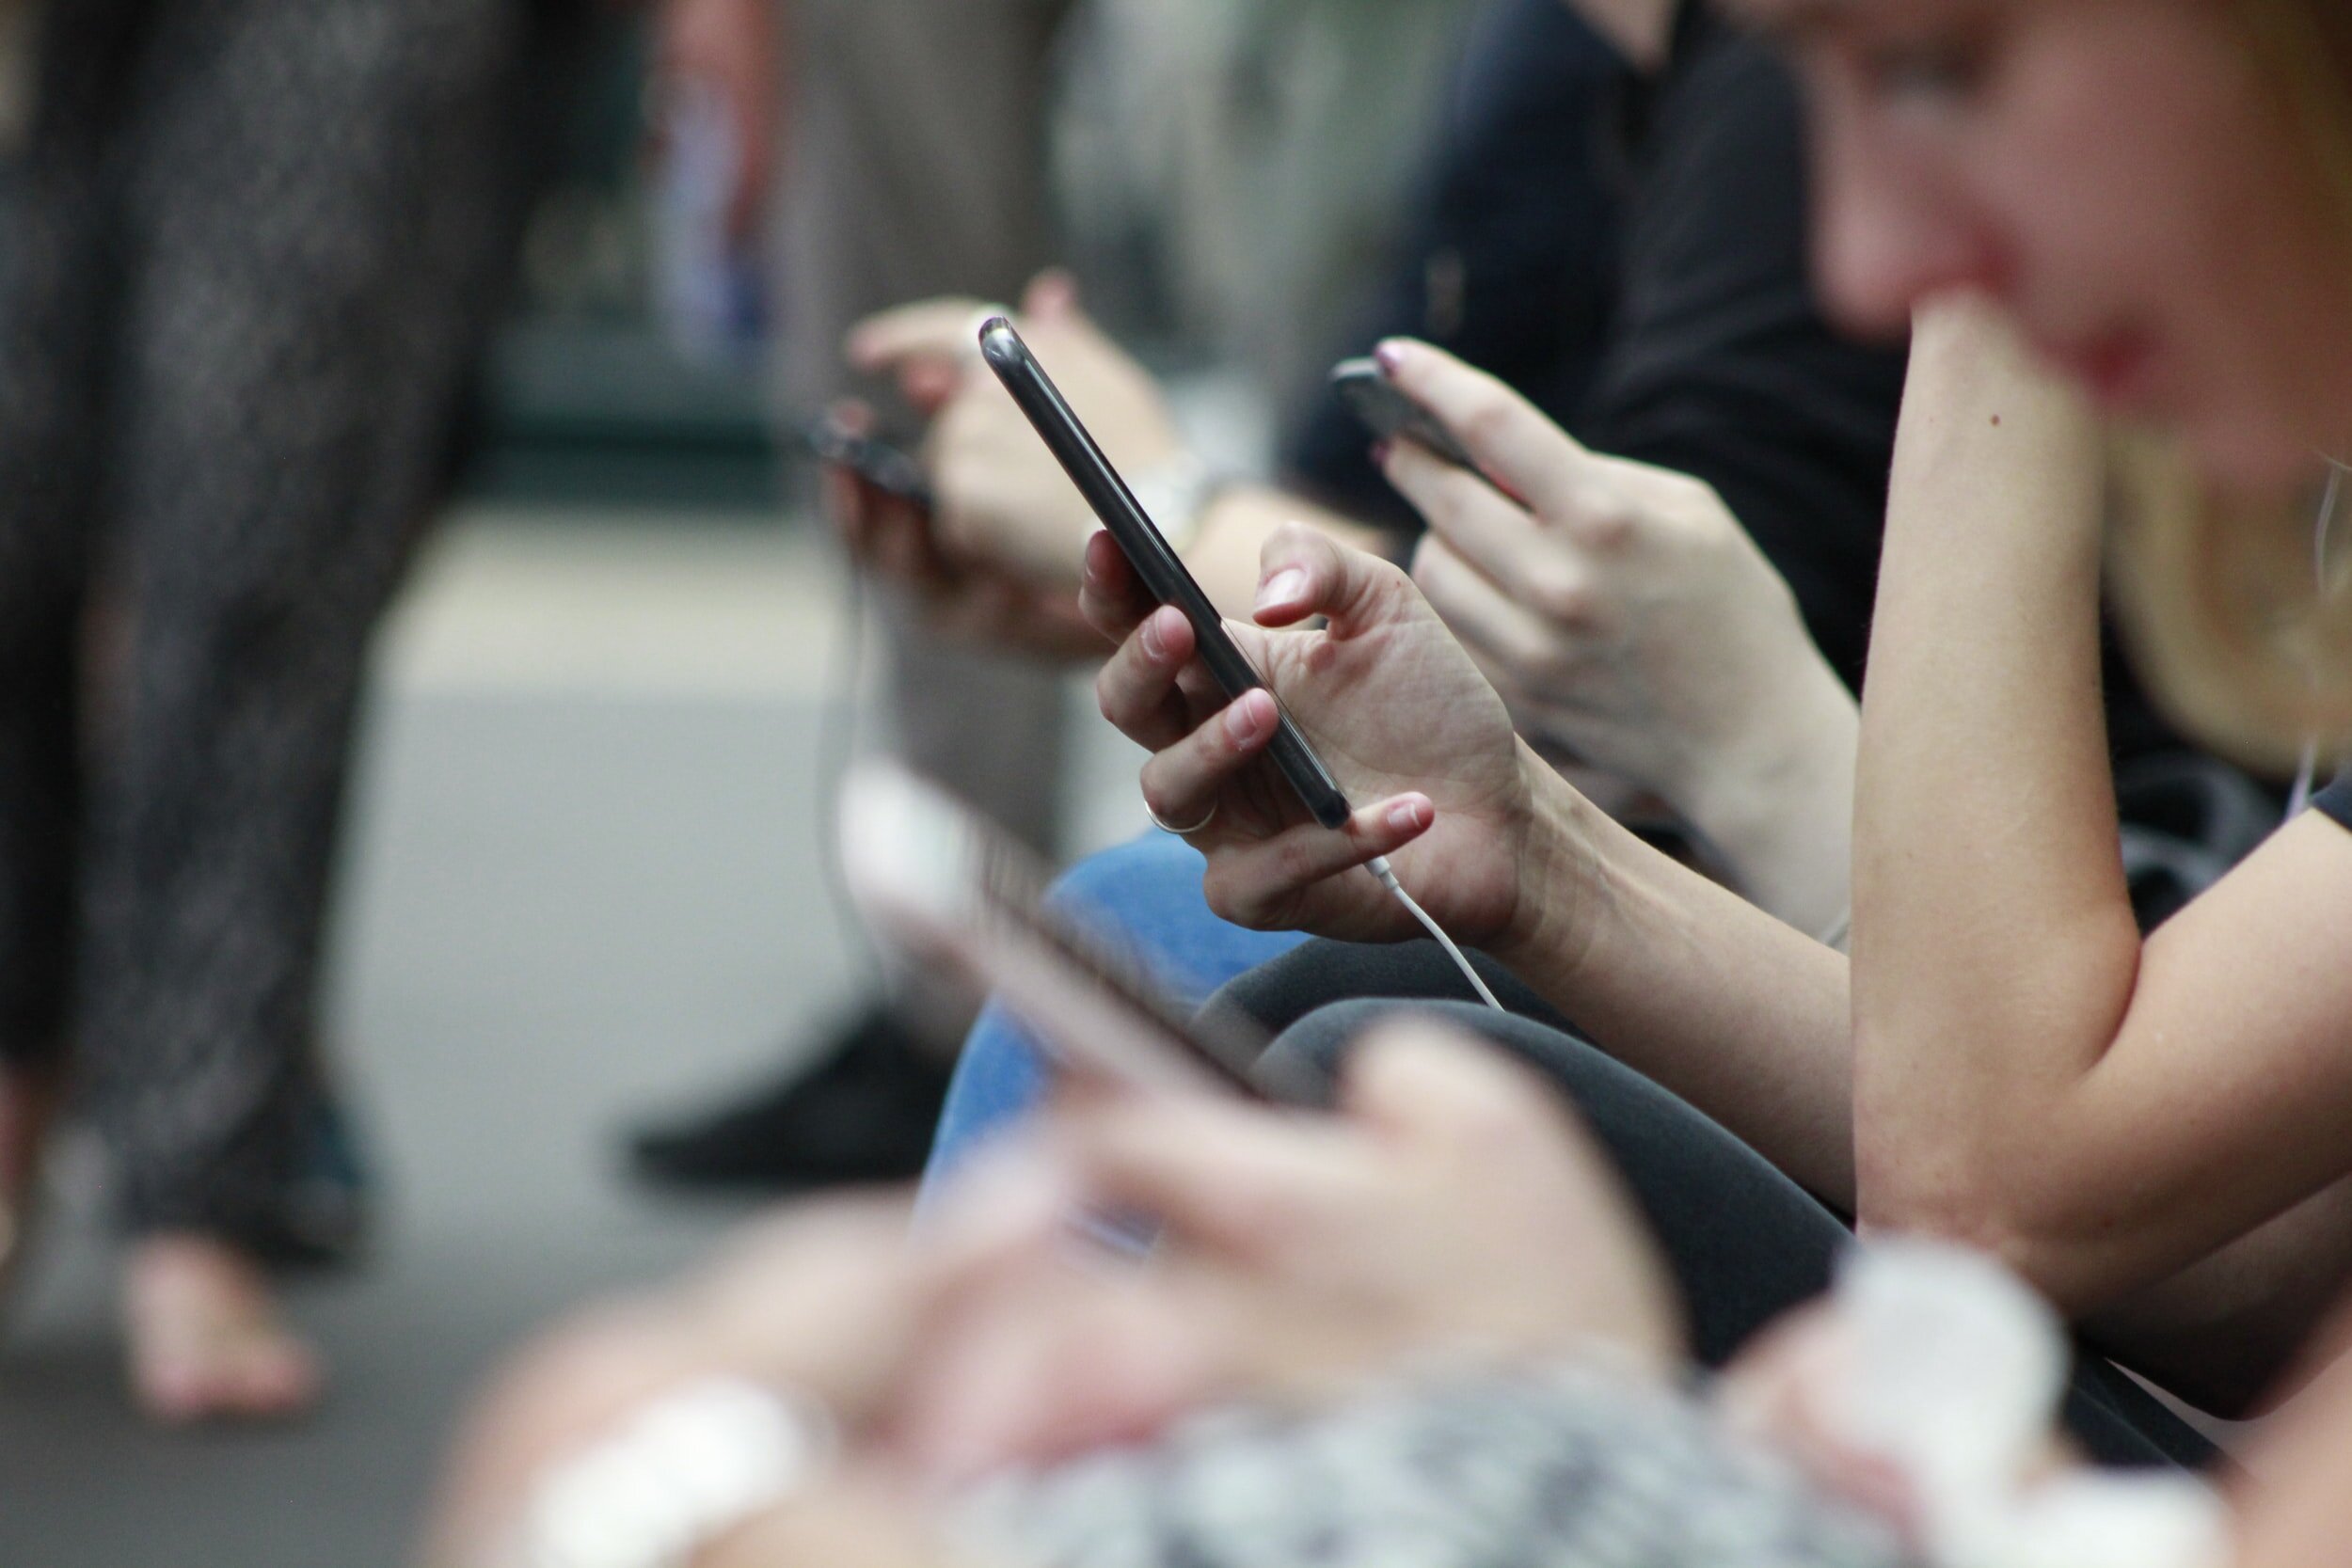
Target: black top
[(1632, 256), (1509, 259), (2336, 800)]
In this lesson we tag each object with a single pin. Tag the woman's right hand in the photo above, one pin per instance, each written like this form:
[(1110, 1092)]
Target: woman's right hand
[(1409, 727)]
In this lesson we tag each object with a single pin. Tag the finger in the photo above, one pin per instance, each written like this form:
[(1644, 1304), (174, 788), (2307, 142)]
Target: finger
[(1434, 1085), (931, 328), (1136, 686), (1051, 297), (1510, 437), (1218, 1175), (1303, 573), (1263, 885), (1496, 629), (1110, 593), (902, 543), (1182, 782), (928, 386), (1543, 567), (843, 506)]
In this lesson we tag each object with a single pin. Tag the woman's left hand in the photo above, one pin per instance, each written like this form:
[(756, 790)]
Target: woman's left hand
[(1453, 1209)]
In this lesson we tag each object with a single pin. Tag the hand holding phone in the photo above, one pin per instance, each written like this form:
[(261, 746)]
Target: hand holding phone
[(1155, 562), (886, 467), (1389, 415)]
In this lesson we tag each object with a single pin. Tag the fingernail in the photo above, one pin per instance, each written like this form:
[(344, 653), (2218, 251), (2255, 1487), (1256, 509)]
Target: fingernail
[(1153, 642), (1390, 357), (1287, 586), (1407, 817), (1380, 450), (1245, 719)]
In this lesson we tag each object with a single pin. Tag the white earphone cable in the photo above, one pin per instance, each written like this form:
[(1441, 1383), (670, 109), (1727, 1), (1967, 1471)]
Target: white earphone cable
[(1378, 866)]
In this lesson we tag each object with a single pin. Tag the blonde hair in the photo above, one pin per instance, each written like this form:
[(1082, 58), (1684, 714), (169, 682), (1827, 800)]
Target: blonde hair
[(2238, 620)]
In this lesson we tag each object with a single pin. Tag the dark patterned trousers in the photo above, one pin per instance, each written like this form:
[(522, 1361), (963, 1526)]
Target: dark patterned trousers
[(246, 257)]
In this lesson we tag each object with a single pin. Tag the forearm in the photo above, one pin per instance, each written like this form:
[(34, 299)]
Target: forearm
[(1223, 554), (1779, 814), (2221, 1333), (1995, 948), (1692, 985)]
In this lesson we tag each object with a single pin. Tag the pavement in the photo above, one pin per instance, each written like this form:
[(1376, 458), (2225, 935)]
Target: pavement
[(582, 885)]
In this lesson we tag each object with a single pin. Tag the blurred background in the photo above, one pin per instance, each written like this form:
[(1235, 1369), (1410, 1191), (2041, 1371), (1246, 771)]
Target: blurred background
[(580, 880)]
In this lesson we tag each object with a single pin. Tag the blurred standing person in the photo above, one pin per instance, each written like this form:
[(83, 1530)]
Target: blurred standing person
[(905, 145), (255, 251)]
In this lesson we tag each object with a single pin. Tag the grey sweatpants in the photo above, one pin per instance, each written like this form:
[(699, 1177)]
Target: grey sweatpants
[(915, 166)]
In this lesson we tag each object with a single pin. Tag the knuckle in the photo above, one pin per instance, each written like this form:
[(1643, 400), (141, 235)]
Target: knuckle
[(1230, 897), (1610, 528), (1487, 420), (1564, 598)]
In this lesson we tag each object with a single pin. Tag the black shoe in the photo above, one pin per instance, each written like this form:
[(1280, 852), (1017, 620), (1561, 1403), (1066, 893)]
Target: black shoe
[(866, 1114)]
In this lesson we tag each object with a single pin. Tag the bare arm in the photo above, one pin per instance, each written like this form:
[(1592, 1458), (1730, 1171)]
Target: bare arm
[(1223, 555), (2028, 1074)]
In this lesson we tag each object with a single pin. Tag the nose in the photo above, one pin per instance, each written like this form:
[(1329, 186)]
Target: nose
[(1890, 231)]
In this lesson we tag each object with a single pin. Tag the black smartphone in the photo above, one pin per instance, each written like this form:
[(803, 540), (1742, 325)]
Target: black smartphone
[(887, 468), (1371, 397), (948, 887), (1162, 570)]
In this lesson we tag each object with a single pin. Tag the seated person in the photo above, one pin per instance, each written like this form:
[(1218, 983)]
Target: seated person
[(1695, 345), (1677, 666), (1500, 1382)]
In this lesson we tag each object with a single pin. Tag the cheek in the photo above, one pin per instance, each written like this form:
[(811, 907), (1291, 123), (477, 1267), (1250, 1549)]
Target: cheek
[(2144, 184)]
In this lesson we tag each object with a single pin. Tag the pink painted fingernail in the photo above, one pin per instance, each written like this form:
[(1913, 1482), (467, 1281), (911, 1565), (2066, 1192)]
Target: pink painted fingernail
[(1390, 357), (1285, 587)]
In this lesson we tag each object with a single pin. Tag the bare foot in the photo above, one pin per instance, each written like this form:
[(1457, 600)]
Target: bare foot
[(206, 1340)]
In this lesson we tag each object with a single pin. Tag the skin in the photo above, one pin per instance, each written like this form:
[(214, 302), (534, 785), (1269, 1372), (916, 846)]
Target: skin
[(2009, 147), (2107, 1116), (990, 1340), (2030, 1074)]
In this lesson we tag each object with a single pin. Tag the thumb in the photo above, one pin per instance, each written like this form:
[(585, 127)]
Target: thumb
[(1051, 296), (1303, 573), (1428, 1083)]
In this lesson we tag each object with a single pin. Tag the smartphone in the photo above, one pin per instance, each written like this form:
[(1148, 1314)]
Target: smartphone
[(886, 467), (1371, 397), (1161, 569), (946, 886)]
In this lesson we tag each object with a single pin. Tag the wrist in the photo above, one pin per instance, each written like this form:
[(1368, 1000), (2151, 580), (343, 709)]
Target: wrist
[(1177, 491), (1562, 882), (1777, 805)]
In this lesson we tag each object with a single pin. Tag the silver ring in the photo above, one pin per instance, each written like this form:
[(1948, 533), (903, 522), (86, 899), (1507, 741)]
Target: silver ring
[(1171, 828)]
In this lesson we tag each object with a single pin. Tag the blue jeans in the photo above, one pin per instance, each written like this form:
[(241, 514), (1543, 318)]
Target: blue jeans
[(1144, 896)]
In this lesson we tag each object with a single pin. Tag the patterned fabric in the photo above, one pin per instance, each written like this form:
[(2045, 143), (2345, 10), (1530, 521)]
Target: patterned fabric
[(253, 246), (1568, 1467)]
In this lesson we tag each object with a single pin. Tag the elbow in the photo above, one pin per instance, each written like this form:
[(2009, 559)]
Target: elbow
[(1973, 1199)]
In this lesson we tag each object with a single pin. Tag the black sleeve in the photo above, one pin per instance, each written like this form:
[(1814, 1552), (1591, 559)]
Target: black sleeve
[(2336, 800), (1512, 248), (1721, 364)]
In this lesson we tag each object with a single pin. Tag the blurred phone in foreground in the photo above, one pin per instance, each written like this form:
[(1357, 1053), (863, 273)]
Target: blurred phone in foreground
[(946, 886)]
